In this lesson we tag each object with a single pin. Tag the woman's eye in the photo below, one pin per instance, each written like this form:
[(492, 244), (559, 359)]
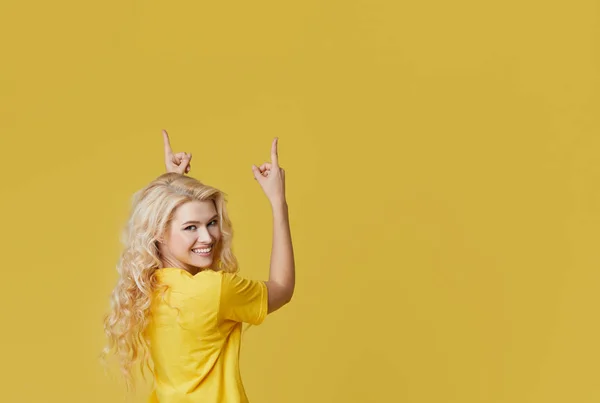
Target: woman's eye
[(190, 226), (213, 221)]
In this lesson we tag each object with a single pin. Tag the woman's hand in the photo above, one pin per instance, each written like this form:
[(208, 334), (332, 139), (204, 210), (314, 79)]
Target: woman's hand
[(271, 177), (178, 163)]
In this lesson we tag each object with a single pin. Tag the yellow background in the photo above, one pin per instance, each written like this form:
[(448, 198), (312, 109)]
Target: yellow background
[(443, 176)]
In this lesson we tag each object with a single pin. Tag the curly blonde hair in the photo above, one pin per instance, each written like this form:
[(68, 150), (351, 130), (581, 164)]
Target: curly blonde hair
[(130, 302)]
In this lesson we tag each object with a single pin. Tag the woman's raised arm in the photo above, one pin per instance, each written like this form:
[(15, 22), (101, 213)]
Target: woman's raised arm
[(282, 273)]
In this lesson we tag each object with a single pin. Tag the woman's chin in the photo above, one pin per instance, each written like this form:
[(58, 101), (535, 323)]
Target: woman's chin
[(202, 261)]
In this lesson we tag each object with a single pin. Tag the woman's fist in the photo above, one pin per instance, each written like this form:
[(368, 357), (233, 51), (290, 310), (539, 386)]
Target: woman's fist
[(271, 177), (178, 163)]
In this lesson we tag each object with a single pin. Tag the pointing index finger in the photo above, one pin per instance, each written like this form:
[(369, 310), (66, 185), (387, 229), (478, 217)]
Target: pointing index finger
[(274, 156), (168, 151)]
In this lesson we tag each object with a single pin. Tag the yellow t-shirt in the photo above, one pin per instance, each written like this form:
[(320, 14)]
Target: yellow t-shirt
[(195, 342)]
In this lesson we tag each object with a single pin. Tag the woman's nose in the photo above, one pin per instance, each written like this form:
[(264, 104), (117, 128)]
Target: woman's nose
[(204, 235)]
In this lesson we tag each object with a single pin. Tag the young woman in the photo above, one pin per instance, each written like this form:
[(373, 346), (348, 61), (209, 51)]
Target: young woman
[(179, 299)]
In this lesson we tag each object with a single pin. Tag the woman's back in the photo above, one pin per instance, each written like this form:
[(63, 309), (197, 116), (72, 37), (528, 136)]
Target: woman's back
[(195, 334)]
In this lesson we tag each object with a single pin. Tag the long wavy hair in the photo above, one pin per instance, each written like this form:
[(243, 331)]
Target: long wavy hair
[(130, 302)]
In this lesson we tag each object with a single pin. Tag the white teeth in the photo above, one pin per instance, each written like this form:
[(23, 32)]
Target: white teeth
[(202, 250)]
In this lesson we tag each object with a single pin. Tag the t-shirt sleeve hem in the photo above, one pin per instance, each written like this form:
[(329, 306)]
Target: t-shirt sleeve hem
[(264, 303)]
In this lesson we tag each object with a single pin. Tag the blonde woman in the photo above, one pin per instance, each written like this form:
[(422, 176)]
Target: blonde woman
[(179, 299)]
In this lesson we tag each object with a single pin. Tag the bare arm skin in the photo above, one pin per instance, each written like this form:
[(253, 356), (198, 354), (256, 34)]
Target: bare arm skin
[(282, 272)]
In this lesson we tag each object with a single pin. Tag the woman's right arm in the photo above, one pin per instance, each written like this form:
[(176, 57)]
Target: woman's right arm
[(282, 274)]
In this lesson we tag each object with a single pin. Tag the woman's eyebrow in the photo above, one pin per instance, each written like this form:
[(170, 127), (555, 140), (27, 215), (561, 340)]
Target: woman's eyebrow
[(198, 222)]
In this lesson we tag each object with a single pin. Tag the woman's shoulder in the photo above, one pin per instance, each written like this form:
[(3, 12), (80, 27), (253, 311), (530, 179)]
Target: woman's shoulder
[(183, 279), (205, 283), (176, 272)]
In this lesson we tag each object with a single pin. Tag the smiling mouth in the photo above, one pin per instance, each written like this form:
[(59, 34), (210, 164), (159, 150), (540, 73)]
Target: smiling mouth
[(203, 251)]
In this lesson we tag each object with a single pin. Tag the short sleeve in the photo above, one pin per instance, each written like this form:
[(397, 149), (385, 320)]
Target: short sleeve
[(243, 300)]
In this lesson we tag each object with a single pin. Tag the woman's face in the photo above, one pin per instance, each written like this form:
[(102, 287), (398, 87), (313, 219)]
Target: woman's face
[(192, 237)]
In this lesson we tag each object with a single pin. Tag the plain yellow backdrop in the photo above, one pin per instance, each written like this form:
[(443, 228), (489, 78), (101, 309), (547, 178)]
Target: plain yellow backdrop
[(443, 178)]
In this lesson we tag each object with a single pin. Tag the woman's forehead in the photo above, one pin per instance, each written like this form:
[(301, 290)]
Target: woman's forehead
[(195, 210)]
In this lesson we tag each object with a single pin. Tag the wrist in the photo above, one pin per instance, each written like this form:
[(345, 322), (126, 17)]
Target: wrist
[(279, 205)]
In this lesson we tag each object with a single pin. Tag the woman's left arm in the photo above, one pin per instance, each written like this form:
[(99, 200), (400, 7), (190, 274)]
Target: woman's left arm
[(178, 163)]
